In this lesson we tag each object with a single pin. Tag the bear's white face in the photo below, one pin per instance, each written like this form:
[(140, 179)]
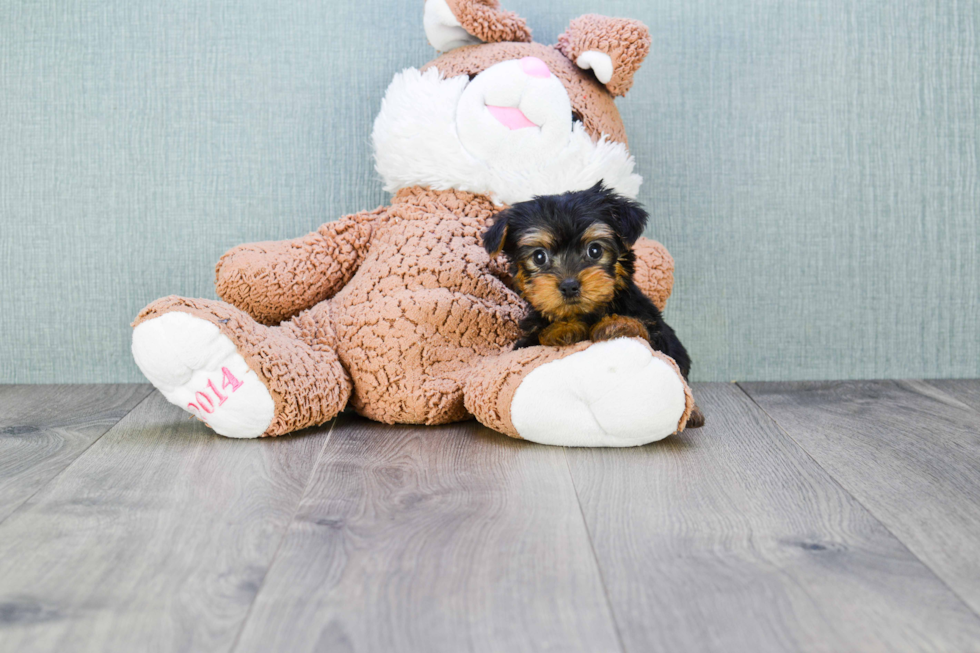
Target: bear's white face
[(513, 110), (507, 133)]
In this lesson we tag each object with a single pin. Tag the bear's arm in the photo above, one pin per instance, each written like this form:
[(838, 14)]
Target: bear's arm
[(654, 270), (273, 281)]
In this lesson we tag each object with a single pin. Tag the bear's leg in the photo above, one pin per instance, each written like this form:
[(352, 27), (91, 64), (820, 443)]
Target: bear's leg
[(617, 393), (242, 378)]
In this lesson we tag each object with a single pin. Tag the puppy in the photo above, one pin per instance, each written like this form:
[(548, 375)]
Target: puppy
[(571, 258)]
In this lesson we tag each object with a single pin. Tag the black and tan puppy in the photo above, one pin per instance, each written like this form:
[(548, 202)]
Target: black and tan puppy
[(571, 258)]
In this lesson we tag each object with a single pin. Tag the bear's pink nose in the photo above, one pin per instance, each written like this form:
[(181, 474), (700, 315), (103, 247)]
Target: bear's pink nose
[(535, 67)]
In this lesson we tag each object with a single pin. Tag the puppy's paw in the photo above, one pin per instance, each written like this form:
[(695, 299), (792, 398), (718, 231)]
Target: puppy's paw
[(617, 326), (696, 419), (562, 334)]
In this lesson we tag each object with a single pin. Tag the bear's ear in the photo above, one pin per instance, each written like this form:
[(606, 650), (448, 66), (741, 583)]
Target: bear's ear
[(495, 237), (613, 48), (451, 24)]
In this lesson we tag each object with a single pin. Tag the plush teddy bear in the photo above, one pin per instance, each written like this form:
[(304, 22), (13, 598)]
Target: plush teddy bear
[(399, 311)]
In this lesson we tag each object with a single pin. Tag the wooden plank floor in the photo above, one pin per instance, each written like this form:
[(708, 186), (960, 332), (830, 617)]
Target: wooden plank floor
[(803, 517), (908, 451)]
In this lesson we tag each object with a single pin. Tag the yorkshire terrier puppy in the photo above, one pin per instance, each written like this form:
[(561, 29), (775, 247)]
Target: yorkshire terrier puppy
[(571, 258)]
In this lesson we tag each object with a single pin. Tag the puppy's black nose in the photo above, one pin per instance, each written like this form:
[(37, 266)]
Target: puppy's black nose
[(569, 288)]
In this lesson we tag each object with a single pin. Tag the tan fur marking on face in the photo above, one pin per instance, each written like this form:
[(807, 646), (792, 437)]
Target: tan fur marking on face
[(621, 276), (598, 287), (537, 238), (541, 291), (597, 231)]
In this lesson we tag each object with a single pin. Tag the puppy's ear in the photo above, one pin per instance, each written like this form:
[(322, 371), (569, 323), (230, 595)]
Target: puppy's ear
[(495, 237), (629, 216)]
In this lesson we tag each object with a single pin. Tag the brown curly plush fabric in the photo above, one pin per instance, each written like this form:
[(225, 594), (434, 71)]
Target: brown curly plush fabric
[(421, 306), (590, 100), (654, 272), (627, 42), (274, 281), (485, 20)]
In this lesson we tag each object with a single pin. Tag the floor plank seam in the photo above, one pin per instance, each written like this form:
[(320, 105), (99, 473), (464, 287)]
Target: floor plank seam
[(282, 539), (595, 557), (946, 394), (81, 453), (870, 512)]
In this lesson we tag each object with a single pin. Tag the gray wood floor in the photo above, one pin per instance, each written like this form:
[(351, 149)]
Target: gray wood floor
[(839, 516)]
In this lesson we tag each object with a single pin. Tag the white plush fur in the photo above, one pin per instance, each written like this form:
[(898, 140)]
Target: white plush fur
[(613, 394), (180, 353), (443, 29), (437, 132), (600, 63)]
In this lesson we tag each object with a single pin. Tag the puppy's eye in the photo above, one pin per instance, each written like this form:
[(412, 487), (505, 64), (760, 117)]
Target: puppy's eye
[(539, 257), (595, 251)]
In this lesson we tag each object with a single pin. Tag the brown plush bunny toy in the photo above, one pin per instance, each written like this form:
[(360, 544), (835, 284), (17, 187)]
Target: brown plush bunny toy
[(399, 310)]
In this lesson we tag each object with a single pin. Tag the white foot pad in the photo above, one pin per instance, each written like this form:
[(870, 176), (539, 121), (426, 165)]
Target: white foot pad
[(613, 394), (198, 368)]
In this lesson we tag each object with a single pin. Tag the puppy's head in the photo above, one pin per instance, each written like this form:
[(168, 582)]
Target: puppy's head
[(569, 252)]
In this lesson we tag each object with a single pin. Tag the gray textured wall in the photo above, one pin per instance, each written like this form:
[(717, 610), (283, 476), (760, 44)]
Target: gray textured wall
[(812, 165)]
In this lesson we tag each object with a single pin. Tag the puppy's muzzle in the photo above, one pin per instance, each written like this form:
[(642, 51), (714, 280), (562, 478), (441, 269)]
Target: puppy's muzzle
[(570, 288)]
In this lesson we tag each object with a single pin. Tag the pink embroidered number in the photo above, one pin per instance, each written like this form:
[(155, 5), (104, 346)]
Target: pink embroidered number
[(221, 398), (204, 402), (229, 380)]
